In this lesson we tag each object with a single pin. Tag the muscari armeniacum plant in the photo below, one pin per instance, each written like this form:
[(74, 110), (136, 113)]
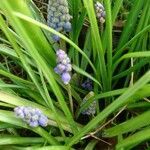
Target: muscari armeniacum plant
[(58, 17), (39, 86)]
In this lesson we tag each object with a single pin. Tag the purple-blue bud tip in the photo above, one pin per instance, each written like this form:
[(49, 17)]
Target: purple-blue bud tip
[(67, 26), (56, 38), (66, 77)]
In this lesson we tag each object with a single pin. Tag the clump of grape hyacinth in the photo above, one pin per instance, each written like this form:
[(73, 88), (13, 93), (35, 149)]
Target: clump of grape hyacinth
[(100, 12), (58, 17), (64, 66), (32, 116)]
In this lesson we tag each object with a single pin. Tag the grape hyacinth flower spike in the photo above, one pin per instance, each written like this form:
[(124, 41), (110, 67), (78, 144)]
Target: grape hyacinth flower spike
[(91, 110), (87, 85), (100, 12), (58, 17), (63, 67), (32, 116)]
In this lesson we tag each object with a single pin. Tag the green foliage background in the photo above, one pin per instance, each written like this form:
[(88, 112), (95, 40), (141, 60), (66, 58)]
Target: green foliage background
[(117, 65)]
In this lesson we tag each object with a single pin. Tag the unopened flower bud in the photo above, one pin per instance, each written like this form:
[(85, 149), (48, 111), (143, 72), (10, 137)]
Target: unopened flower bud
[(66, 77)]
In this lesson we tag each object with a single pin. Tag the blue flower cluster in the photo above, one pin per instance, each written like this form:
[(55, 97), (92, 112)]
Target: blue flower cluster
[(58, 17), (100, 12), (87, 85), (91, 110), (32, 116), (63, 67)]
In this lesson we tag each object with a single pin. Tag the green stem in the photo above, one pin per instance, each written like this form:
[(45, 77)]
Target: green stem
[(101, 28), (63, 45), (109, 45), (70, 98)]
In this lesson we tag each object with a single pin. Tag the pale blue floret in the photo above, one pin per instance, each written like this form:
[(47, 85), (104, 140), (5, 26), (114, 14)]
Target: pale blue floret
[(67, 26), (61, 67), (34, 124), (32, 116), (66, 77), (43, 121), (19, 112)]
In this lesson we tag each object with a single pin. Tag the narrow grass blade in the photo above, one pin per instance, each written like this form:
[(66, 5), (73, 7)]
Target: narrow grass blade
[(130, 125), (97, 44), (8, 140), (135, 139)]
